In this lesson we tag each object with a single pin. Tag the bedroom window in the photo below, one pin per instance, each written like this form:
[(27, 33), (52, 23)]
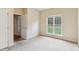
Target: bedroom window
[(54, 25)]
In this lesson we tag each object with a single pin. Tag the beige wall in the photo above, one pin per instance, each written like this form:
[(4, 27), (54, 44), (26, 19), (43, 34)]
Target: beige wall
[(19, 11), (78, 26), (32, 23), (10, 25), (69, 22)]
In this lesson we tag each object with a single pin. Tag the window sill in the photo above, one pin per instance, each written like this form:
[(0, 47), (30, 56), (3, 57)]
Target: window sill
[(55, 34)]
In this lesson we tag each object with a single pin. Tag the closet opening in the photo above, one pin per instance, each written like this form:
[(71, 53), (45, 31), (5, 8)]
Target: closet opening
[(17, 28)]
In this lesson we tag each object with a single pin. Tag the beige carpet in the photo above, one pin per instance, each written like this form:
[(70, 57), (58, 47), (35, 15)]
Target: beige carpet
[(44, 44)]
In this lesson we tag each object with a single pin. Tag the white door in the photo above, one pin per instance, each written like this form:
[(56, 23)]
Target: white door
[(23, 27), (6, 28), (3, 28)]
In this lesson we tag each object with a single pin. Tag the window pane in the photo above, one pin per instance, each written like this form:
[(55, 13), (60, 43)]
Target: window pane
[(50, 21), (57, 25), (58, 20), (50, 25)]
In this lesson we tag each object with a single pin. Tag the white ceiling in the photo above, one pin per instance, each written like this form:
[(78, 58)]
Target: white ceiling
[(41, 9)]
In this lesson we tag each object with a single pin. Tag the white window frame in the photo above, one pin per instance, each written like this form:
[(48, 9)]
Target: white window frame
[(54, 24)]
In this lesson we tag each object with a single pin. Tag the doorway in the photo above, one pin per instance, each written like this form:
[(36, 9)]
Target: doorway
[(17, 28)]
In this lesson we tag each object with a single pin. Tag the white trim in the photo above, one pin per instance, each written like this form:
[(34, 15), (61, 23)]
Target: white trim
[(54, 34)]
